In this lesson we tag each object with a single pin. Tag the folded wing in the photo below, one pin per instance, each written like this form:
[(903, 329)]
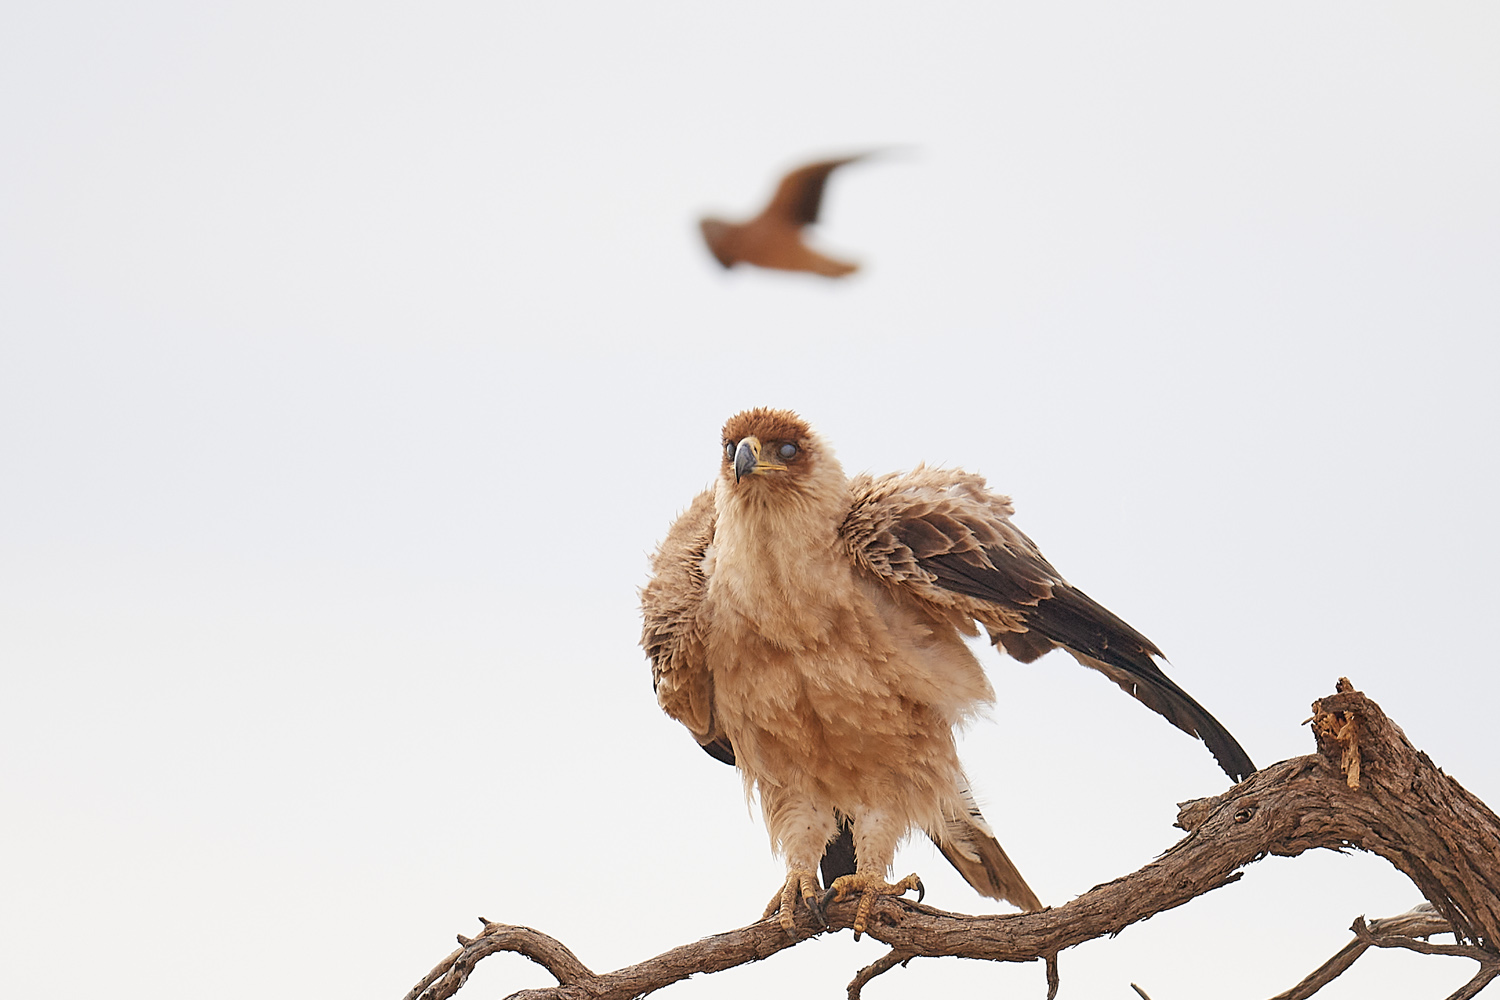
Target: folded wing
[(941, 535), (672, 631)]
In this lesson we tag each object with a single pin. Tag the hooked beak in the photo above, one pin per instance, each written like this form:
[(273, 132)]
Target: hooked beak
[(748, 460), (746, 457)]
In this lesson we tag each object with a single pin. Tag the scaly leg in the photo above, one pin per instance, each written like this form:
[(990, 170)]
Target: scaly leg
[(875, 839), (800, 830), (800, 883)]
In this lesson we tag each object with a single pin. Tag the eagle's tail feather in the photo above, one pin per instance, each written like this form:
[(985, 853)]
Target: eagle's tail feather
[(838, 855), (970, 846), (968, 843)]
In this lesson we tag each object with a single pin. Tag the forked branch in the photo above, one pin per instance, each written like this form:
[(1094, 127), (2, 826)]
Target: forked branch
[(1366, 787)]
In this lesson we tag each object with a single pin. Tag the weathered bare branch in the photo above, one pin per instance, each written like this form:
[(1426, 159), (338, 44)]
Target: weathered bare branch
[(1420, 921), (1471, 989), (1412, 814), (1367, 787), (875, 968), (1365, 935), (542, 949)]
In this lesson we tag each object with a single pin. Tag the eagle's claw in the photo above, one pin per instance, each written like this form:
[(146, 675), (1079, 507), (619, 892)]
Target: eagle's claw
[(800, 883), (868, 886)]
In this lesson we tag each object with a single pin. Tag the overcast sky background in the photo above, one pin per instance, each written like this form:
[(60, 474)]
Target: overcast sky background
[(354, 358)]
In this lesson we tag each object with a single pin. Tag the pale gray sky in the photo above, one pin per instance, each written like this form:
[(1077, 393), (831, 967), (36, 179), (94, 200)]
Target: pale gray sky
[(354, 357)]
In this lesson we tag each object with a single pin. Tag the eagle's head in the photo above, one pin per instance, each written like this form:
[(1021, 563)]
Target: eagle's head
[(773, 464), (719, 235), (774, 453)]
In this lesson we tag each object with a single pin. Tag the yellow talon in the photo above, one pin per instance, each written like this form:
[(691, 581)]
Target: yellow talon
[(869, 886), (799, 882)]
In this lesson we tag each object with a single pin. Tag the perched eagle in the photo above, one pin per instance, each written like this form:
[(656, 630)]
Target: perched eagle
[(809, 629), (774, 237)]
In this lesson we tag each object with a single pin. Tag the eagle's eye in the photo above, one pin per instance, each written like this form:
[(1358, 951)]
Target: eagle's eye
[(729, 450), (787, 451)]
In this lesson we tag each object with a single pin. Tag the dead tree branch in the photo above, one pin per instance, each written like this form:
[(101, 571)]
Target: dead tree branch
[(1367, 787), (1420, 921), (875, 968)]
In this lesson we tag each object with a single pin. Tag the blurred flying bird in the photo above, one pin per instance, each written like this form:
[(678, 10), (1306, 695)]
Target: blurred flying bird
[(809, 628), (774, 237)]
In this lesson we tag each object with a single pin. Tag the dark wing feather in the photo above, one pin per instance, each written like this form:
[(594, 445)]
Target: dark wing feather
[(946, 538), (799, 196), (720, 749), (1099, 639), (1061, 612)]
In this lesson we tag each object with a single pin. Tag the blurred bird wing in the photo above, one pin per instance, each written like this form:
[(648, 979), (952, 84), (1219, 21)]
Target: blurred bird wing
[(799, 196), (942, 537), (672, 634)]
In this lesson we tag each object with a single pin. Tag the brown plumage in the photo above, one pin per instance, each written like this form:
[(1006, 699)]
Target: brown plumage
[(774, 237), (808, 628)]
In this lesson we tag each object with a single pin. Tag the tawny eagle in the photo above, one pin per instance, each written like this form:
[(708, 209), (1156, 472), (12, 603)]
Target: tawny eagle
[(809, 627)]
